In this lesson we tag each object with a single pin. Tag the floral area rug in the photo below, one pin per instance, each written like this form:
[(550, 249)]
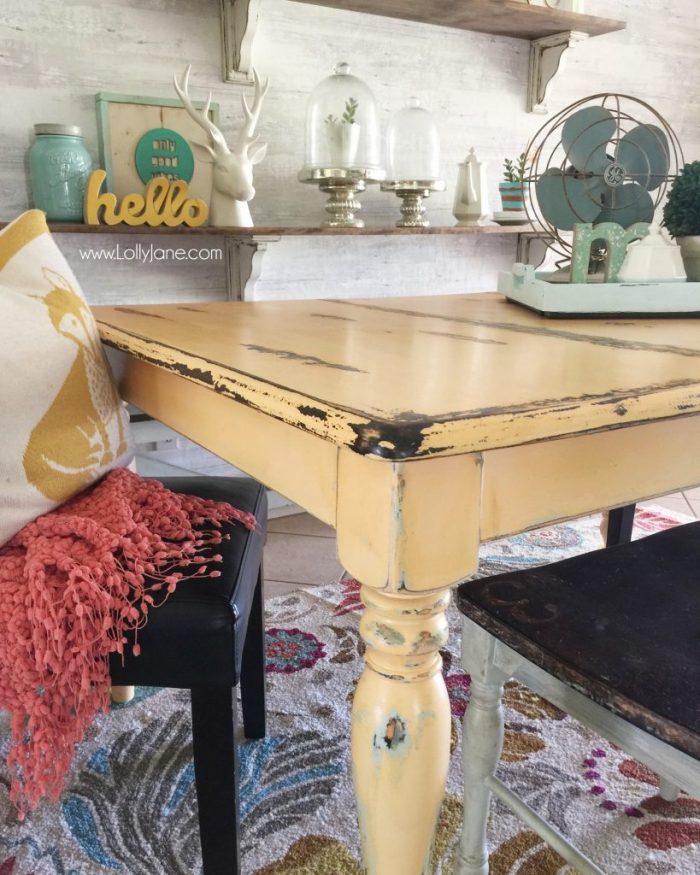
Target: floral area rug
[(130, 805)]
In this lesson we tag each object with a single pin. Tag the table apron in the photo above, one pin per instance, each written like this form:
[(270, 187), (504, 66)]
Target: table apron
[(295, 463), (414, 526), (532, 485)]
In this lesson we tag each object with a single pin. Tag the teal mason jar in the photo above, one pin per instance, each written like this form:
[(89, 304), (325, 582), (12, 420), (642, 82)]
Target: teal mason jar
[(59, 165)]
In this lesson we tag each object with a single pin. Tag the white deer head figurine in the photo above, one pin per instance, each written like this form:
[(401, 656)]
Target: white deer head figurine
[(232, 183)]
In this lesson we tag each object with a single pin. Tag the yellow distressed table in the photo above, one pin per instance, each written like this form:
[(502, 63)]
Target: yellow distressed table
[(419, 427)]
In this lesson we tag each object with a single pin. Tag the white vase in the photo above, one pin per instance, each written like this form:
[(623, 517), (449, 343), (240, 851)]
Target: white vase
[(343, 142), (690, 250)]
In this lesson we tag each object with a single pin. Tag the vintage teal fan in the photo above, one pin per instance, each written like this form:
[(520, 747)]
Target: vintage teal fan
[(597, 172), (606, 158)]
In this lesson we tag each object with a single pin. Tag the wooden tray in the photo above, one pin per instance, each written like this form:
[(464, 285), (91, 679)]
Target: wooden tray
[(595, 300)]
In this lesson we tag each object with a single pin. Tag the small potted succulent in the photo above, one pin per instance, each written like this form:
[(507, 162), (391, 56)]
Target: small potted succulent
[(343, 135), (682, 217), (513, 189)]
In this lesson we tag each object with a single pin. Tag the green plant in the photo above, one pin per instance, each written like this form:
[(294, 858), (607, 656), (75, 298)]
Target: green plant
[(515, 170), (348, 116), (682, 210)]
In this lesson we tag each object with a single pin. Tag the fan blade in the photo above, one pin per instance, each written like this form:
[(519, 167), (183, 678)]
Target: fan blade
[(564, 200), (595, 187), (585, 136), (644, 154), (626, 205)]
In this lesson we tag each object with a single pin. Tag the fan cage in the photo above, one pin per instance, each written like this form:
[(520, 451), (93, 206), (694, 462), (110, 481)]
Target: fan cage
[(546, 151)]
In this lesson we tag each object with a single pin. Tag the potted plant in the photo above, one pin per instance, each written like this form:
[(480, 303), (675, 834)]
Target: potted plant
[(513, 190), (343, 135), (682, 217)]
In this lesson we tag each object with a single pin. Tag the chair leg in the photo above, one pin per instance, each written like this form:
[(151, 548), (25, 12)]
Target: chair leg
[(620, 525), (482, 743), (122, 695), (216, 778), (668, 790), (253, 668)]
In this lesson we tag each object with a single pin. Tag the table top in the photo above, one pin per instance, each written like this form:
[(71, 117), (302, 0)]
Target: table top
[(419, 376)]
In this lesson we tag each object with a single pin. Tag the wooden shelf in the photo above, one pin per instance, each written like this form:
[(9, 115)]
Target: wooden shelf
[(550, 31), (497, 17), (267, 231), (246, 247)]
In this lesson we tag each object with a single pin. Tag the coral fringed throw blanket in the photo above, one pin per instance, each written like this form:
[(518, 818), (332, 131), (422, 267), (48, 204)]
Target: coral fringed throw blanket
[(71, 584)]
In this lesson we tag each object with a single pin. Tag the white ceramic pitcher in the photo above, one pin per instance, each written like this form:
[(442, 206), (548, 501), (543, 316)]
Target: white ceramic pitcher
[(471, 206)]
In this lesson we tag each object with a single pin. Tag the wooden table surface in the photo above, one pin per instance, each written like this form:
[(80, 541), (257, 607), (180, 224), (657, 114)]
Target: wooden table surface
[(422, 376), (418, 428)]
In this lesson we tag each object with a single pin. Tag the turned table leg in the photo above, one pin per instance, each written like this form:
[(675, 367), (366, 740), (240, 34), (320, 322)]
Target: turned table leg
[(408, 531), (401, 729)]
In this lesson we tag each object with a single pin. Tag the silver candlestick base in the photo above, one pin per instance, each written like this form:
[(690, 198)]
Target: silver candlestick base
[(342, 185), (342, 203), (412, 193)]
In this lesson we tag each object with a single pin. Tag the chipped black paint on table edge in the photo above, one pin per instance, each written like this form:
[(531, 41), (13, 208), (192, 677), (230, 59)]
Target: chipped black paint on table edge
[(401, 438)]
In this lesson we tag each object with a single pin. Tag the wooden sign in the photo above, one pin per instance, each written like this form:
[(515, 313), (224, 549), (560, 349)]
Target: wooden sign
[(124, 120), (163, 203)]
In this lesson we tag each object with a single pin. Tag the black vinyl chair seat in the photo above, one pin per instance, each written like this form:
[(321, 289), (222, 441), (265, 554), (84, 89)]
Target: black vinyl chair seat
[(621, 626), (205, 637), (196, 637)]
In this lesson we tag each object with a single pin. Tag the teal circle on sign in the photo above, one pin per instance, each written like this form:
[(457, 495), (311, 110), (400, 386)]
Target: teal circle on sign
[(164, 152)]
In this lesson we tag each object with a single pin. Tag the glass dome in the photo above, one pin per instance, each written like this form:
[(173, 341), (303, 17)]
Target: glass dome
[(342, 131), (413, 145)]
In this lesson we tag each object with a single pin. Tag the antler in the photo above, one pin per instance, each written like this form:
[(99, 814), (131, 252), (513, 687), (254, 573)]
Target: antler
[(215, 136), (247, 135)]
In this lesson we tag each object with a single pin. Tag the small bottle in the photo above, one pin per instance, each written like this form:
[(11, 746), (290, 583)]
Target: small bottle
[(59, 165)]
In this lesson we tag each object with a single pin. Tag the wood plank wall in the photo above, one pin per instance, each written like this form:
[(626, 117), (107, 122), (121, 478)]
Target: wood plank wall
[(55, 56)]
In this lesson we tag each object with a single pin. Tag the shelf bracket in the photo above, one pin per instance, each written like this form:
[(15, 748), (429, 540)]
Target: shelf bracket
[(547, 57), (239, 22), (244, 261)]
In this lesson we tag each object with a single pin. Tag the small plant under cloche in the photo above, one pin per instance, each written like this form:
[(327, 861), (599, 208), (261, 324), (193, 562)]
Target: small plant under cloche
[(348, 116)]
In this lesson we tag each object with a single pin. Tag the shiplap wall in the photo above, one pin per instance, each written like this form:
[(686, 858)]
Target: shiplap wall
[(54, 57), (56, 54)]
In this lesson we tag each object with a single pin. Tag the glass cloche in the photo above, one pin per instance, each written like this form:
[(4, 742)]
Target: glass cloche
[(413, 145), (342, 131), (413, 162)]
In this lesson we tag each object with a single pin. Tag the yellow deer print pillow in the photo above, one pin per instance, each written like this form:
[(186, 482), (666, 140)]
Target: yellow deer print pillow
[(62, 425)]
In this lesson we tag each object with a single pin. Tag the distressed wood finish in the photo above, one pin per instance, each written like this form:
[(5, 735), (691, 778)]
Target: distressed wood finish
[(619, 626), (417, 428), (424, 376), (530, 486), (400, 730), (498, 17), (273, 231), (610, 637), (387, 549), (278, 455)]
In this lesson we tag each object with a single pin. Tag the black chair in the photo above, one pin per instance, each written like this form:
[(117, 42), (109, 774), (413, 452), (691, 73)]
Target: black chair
[(611, 637), (206, 637)]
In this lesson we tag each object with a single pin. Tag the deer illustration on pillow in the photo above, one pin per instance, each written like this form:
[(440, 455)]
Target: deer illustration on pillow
[(84, 428)]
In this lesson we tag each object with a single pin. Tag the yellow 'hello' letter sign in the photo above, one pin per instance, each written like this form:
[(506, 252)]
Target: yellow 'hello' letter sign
[(163, 203)]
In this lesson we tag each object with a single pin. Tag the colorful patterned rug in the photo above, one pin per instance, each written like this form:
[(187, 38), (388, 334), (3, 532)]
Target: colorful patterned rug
[(130, 805)]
